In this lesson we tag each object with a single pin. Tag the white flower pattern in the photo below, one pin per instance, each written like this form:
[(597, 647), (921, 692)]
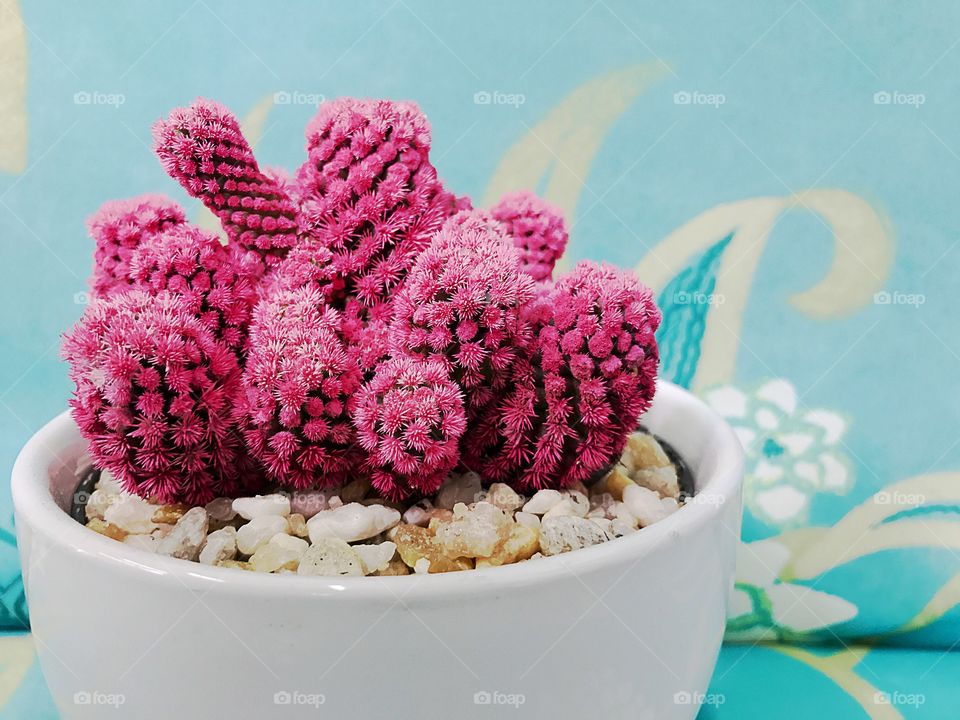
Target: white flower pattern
[(792, 453), (762, 607)]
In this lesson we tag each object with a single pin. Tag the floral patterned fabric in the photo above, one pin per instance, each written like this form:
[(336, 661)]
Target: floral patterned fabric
[(774, 171)]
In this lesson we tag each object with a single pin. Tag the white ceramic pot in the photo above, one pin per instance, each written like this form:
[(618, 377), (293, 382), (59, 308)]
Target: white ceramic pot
[(627, 629)]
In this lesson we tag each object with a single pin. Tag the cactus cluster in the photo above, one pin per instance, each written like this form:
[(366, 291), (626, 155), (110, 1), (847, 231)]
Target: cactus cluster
[(361, 320)]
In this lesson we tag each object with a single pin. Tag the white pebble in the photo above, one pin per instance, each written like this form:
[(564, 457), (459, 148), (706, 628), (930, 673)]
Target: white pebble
[(619, 528), (504, 497), (280, 550), (662, 480), (109, 484), (187, 536), (542, 501), (602, 503), (646, 505), (221, 545), (98, 502), (352, 522), (418, 514), (330, 557), (567, 507), (465, 488), (621, 512), (259, 531), (603, 524), (163, 529), (289, 542), (579, 502), (422, 566), (252, 507), (130, 513), (528, 519), (375, 557), (567, 532), (142, 542)]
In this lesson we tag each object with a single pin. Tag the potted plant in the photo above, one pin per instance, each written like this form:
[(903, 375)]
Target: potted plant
[(369, 379)]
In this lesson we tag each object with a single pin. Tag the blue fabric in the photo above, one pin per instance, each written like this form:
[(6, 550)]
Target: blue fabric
[(758, 681)]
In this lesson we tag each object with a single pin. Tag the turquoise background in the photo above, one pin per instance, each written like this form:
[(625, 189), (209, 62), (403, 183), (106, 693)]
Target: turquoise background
[(798, 79)]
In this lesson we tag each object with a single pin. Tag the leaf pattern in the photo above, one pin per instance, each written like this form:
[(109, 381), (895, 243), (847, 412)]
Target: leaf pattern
[(13, 89), (840, 667), (13, 602), (849, 284), (16, 657), (685, 302)]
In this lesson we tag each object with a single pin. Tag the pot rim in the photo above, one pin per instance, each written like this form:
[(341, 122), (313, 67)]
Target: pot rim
[(35, 505)]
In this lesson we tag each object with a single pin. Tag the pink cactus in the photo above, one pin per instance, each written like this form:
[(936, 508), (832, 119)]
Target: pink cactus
[(363, 329), (154, 397), (299, 383), (537, 228), (309, 264), (370, 192), (409, 420), (461, 306), (220, 285), (578, 393), (387, 328), (118, 228), (475, 221), (365, 333), (202, 147)]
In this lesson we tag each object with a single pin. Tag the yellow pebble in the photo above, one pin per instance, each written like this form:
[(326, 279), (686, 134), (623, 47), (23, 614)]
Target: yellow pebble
[(108, 529), (298, 525), (615, 482), (169, 514), (521, 544)]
